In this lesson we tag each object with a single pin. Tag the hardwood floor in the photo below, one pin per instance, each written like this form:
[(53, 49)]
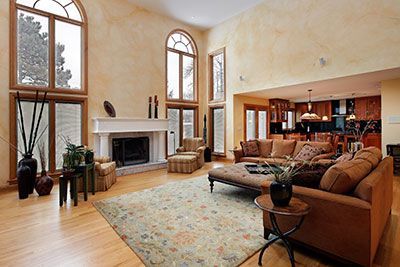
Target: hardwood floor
[(37, 232)]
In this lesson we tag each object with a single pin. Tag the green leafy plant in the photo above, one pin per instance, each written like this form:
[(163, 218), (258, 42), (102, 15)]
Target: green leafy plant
[(284, 172), (73, 154)]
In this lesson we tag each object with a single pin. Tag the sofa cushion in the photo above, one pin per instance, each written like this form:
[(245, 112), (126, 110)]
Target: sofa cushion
[(373, 150), (282, 148), (250, 148), (250, 159), (343, 177), (344, 157), (310, 175), (368, 156), (278, 161), (265, 147), (325, 146), (308, 152)]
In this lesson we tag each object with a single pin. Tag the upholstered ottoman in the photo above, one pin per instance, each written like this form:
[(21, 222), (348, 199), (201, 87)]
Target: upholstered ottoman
[(182, 163)]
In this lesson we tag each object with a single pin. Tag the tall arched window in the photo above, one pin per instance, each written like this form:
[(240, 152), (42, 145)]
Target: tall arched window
[(181, 88), (49, 54), (181, 67)]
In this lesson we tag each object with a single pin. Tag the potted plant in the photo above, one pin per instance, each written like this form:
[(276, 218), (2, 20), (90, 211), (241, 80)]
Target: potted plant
[(280, 189), (72, 157), (358, 133)]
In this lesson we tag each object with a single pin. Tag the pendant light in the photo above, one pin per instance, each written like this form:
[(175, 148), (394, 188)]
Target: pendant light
[(309, 115)]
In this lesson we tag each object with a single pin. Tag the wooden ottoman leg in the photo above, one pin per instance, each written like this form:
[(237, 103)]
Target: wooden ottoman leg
[(211, 184)]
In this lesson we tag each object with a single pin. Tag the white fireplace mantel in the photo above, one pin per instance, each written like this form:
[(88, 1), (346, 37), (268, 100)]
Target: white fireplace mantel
[(128, 125), (105, 128)]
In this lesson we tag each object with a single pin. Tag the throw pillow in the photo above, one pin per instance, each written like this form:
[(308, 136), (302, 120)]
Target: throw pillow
[(308, 153), (310, 175), (344, 157), (250, 148)]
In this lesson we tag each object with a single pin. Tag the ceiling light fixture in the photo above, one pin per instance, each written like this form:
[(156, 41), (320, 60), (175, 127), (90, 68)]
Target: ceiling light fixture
[(310, 115)]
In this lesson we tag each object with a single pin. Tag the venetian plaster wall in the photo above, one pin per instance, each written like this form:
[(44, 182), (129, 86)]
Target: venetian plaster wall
[(126, 63), (390, 107), (279, 42)]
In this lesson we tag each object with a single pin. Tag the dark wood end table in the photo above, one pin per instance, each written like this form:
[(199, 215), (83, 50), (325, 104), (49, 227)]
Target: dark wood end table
[(86, 170), (296, 208)]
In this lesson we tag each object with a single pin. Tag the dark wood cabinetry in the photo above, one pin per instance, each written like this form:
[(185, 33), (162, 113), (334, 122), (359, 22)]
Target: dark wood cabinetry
[(373, 139), (278, 108), (368, 108), (323, 108)]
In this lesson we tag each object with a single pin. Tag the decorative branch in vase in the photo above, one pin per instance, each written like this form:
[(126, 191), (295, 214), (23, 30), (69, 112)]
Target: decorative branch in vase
[(359, 133)]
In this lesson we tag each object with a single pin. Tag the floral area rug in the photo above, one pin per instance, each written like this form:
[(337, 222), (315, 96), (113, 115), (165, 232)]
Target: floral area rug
[(183, 224)]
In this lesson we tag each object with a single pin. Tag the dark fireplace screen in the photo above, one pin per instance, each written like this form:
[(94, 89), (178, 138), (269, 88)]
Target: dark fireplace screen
[(130, 151)]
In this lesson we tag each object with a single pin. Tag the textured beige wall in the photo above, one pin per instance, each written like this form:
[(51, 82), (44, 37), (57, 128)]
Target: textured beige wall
[(390, 107), (127, 57), (126, 62), (279, 42)]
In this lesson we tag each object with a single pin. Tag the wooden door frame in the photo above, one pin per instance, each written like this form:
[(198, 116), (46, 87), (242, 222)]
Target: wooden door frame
[(256, 108)]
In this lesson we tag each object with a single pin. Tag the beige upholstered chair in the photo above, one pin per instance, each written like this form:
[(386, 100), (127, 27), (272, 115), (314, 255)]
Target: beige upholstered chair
[(193, 146), (105, 173)]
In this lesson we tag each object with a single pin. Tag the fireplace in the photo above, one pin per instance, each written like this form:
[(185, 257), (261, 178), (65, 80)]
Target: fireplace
[(130, 151)]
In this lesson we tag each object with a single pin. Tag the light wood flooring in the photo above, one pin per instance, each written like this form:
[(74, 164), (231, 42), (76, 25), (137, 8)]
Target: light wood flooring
[(37, 232)]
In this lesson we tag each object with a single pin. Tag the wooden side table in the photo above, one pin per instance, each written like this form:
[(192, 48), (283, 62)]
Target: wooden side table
[(86, 171), (296, 208), (63, 186)]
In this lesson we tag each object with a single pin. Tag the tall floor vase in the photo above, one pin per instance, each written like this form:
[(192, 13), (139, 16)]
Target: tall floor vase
[(24, 180), (31, 162)]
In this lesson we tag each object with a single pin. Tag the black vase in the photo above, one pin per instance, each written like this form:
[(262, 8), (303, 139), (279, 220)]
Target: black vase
[(32, 164), (89, 156), (24, 180), (280, 193), (44, 184)]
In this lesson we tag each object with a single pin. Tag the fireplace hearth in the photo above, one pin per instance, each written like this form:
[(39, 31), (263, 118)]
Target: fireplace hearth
[(130, 151)]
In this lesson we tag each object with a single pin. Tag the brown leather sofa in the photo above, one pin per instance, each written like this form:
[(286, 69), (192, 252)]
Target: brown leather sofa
[(275, 151), (349, 211)]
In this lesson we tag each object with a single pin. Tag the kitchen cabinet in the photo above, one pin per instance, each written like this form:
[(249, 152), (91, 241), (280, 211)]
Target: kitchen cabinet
[(368, 108), (278, 108), (373, 139), (323, 108)]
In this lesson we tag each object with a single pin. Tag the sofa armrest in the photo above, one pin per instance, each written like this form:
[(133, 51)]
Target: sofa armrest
[(180, 149), (336, 223), (200, 151), (238, 153), (323, 156), (102, 159)]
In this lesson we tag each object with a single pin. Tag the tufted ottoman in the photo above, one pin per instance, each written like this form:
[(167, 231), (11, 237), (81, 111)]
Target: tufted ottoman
[(182, 163), (237, 175)]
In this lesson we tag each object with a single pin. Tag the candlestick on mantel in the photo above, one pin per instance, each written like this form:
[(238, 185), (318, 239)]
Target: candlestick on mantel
[(156, 107), (150, 107)]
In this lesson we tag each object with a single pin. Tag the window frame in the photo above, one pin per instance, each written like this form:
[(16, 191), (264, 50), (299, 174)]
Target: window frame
[(211, 109), (195, 64), (52, 88), (287, 117), (52, 99), (211, 75), (55, 94), (256, 108), (181, 108)]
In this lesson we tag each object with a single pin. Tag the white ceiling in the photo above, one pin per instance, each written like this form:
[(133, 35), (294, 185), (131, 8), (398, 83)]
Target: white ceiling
[(203, 14), (367, 84)]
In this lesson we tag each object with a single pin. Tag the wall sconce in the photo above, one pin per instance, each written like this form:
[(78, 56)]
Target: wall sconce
[(325, 118), (322, 61), (242, 78)]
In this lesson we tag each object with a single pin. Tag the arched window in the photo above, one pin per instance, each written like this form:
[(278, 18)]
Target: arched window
[(181, 89), (49, 54), (181, 67)]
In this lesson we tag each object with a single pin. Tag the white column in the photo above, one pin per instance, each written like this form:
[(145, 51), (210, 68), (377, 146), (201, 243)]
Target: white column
[(161, 146), (104, 139)]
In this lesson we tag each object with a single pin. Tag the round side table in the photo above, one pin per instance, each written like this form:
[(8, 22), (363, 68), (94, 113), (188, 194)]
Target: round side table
[(296, 208)]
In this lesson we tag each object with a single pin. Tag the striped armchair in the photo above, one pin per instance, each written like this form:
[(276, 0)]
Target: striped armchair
[(193, 146)]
